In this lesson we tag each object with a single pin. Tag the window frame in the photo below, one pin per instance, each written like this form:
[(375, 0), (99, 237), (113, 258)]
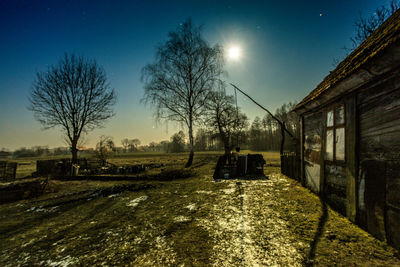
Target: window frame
[(333, 128)]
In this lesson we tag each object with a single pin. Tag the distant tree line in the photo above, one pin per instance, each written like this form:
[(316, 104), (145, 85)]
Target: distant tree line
[(262, 134), (35, 151)]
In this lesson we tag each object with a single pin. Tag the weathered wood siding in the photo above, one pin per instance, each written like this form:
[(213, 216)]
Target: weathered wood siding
[(351, 142), (313, 134), (379, 158), (335, 186)]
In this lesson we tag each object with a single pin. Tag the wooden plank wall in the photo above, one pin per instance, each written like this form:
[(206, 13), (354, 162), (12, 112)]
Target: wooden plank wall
[(336, 186), (379, 158)]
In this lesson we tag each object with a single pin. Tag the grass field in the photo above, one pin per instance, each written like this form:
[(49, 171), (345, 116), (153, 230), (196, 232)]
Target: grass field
[(26, 166), (187, 221)]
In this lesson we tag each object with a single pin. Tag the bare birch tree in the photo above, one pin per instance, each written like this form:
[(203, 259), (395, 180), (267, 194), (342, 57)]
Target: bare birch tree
[(179, 82), (225, 119), (74, 95)]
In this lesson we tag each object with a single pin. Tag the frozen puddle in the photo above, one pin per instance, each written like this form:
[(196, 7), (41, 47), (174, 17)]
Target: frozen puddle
[(136, 201)]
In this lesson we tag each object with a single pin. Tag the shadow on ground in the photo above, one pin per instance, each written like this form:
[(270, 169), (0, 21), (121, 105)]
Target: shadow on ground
[(309, 261), (165, 175)]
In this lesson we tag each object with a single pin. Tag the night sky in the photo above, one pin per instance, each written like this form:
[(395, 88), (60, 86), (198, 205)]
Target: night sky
[(288, 48)]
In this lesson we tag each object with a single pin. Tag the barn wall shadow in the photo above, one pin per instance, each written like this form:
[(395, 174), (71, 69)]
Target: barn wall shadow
[(309, 261)]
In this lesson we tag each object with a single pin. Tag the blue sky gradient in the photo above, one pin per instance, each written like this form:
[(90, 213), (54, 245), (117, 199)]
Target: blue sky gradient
[(288, 48)]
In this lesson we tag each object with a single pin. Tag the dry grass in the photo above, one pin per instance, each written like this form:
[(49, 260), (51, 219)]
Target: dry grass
[(187, 221)]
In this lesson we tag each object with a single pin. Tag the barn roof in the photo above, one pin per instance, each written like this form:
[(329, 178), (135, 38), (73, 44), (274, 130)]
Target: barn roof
[(379, 40)]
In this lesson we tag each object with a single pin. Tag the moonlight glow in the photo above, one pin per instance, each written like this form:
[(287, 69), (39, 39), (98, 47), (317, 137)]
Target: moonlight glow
[(234, 53)]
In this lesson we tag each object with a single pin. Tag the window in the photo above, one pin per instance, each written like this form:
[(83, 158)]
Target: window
[(335, 134)]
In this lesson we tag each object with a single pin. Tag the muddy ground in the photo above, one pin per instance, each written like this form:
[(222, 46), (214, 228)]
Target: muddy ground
[(188, 221)]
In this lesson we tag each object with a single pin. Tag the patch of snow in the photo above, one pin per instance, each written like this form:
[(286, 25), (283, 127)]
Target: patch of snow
[(182, 219), (235, 221), (56, 243), (28, 243), (137, 240), (160, 240), (136, 201), (66, 261), (40, 209), (111, 233), (203, 192), (160, 254), (113, 195), (191, 206), (229, 191)]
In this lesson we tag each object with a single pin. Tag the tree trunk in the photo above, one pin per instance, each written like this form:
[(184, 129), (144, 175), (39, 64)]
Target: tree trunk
[(191, 145), (74, 151), (227, 145), (227, 149)]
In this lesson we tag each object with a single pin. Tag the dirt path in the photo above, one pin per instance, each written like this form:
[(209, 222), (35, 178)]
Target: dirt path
[(189, 222), (247, 231), (276, 222)]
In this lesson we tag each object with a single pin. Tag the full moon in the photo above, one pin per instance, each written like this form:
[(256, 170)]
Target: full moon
[(234, 53)]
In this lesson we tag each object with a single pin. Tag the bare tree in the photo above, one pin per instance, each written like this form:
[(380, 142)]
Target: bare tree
[(130, 144), (74, 95), (367, 25), (125, 144), (224, 118), (177, 143), (133, 144), (179, 82), (104, 148)]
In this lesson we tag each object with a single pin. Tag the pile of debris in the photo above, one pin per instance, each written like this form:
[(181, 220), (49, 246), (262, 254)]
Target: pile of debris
[(64, 167), (22, 189), (8, 171)]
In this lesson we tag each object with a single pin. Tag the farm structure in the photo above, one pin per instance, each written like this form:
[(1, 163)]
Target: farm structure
[(350, 135), (8, 171)]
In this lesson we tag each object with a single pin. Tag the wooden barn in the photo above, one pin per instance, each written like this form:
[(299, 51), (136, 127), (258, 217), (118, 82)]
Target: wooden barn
[(350, 135)]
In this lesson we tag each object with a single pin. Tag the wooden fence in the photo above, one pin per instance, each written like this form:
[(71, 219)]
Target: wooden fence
[(8, 171), (290, 165)]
